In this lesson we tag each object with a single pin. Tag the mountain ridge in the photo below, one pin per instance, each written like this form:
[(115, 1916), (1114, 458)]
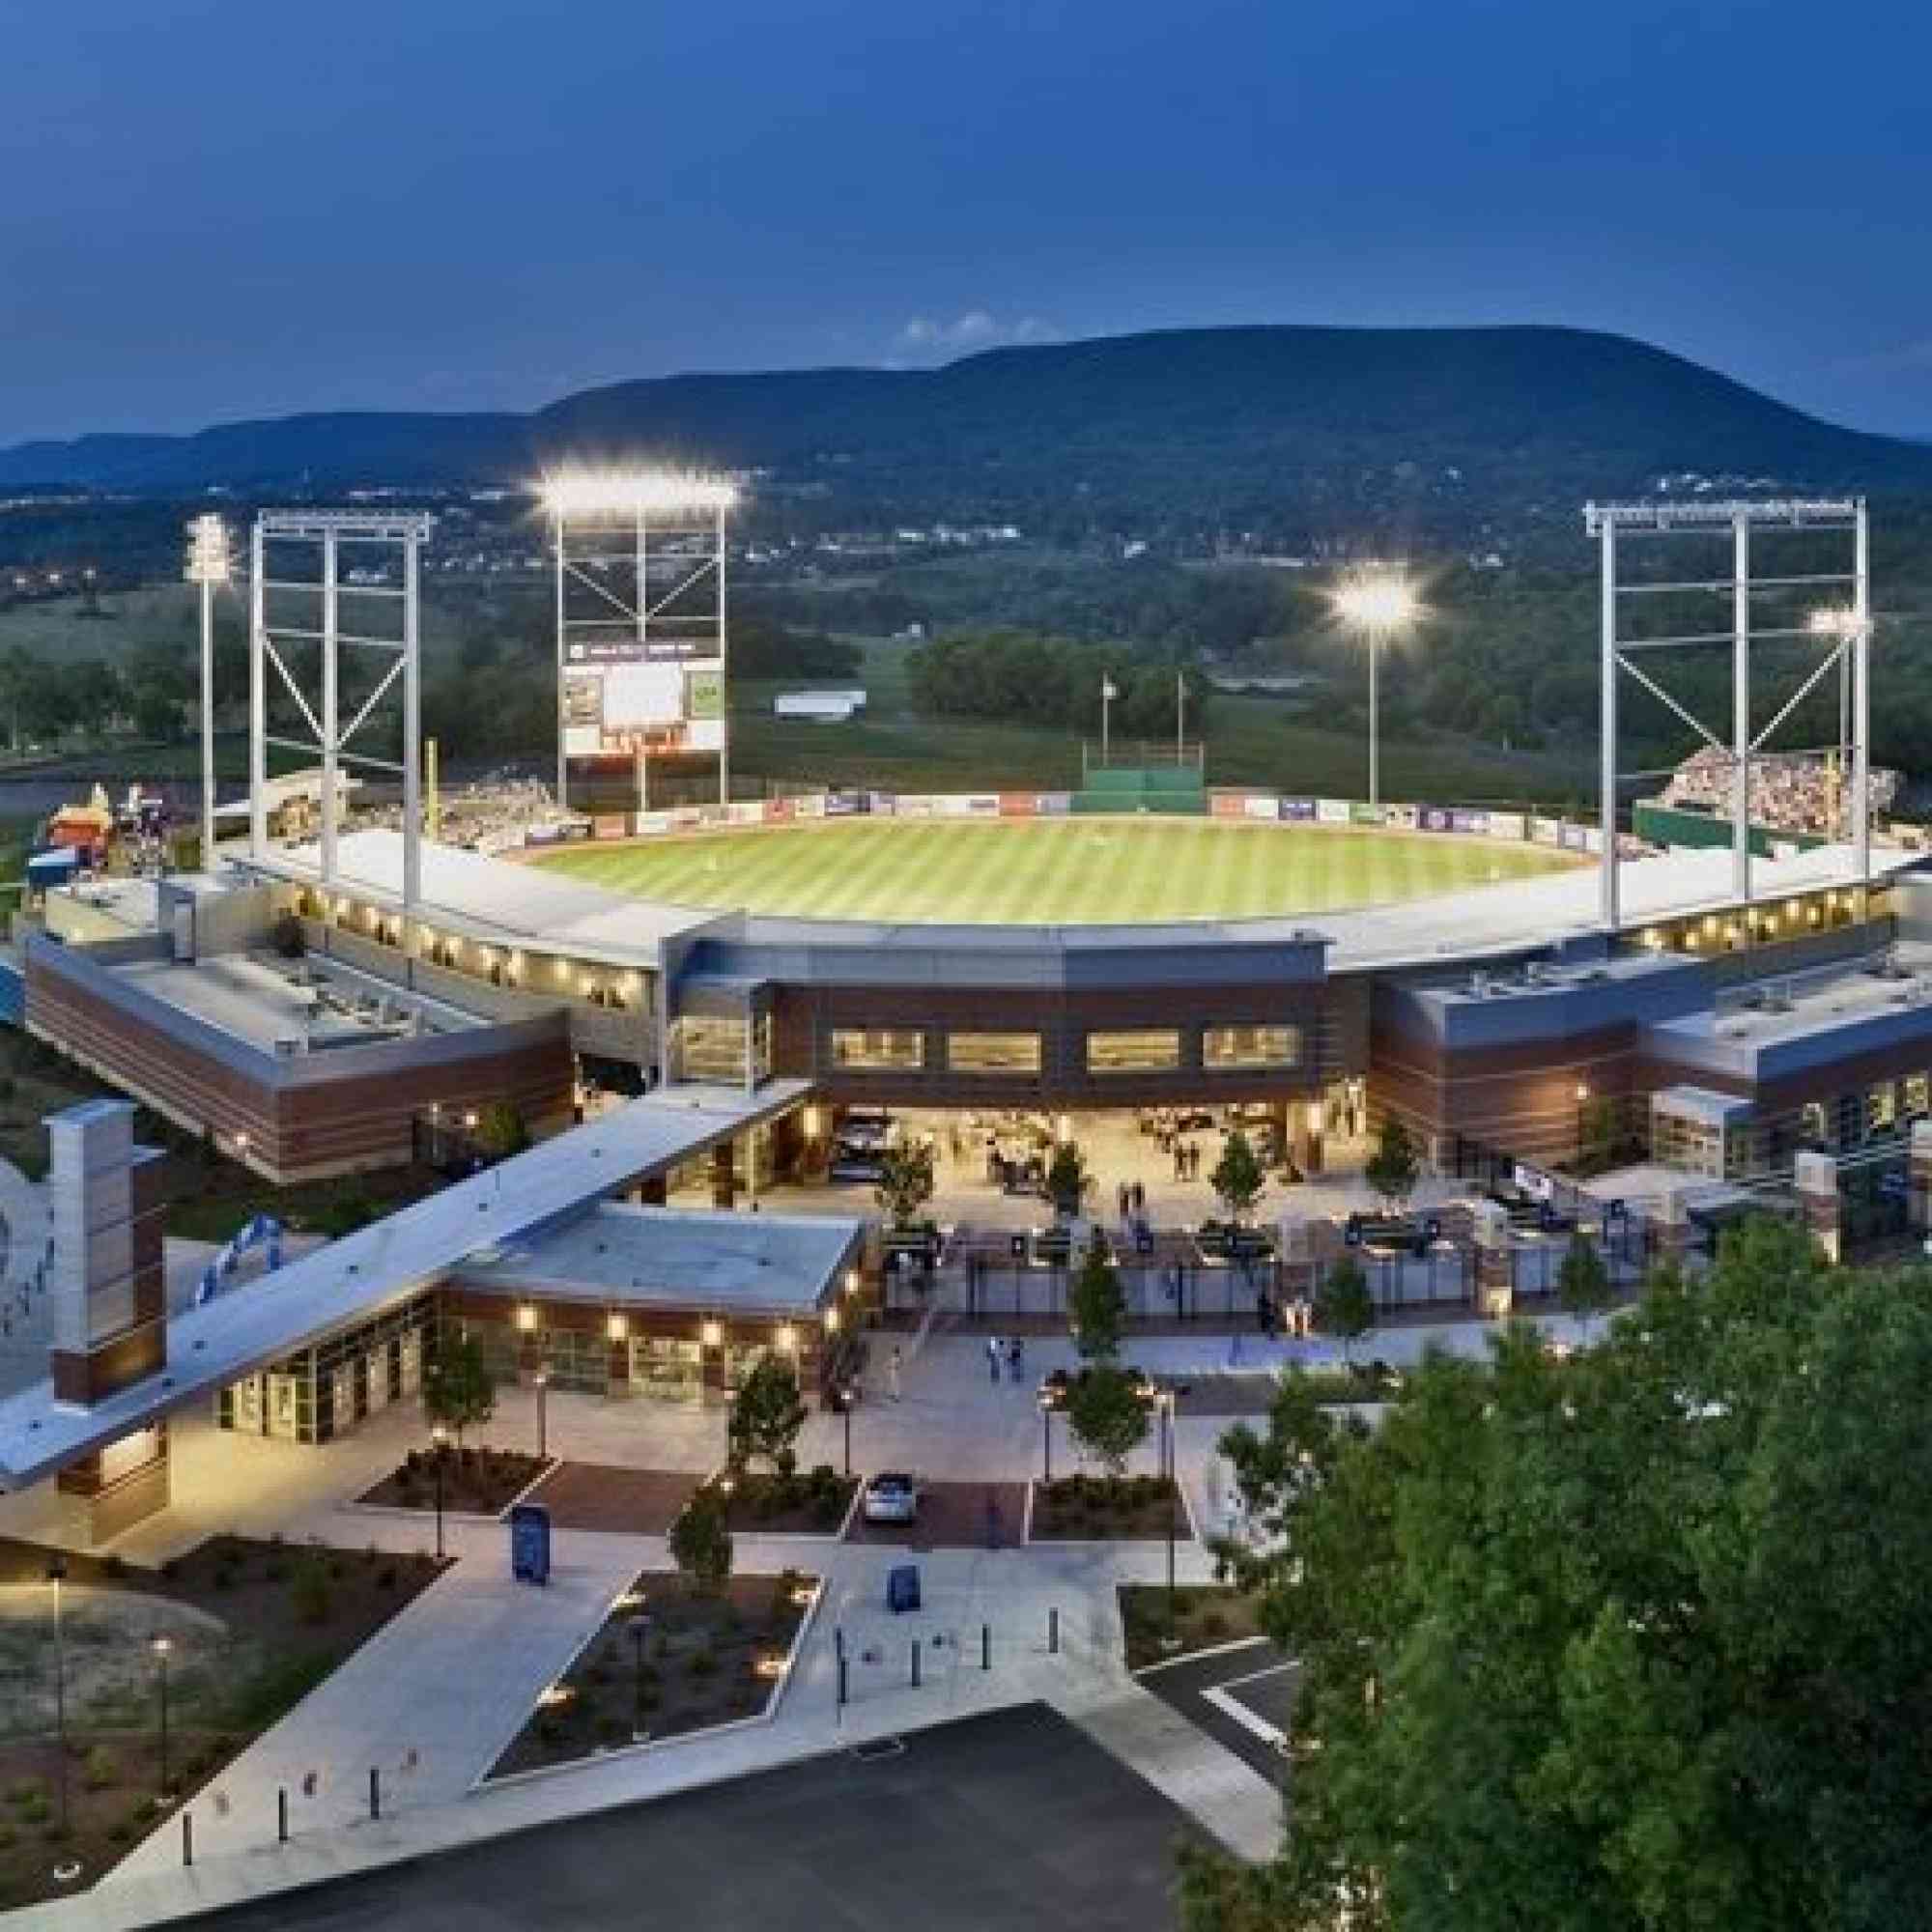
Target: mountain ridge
[(1315, 425)]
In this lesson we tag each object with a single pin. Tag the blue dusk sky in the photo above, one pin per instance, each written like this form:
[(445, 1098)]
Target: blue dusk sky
[(215, 210)]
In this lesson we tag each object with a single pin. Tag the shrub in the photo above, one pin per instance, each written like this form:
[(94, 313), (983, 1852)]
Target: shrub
[(9, 1837), (704, 1663), (57, 1833), (612, 1731), (24, 1790), (385, 1577), (1214, 1626), (121, 1832), (34, 1811), (98, 1770), (310, 1592)]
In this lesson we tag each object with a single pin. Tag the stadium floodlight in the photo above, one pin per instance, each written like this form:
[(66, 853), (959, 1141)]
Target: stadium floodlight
[(210, 564), (1377, 600), (581, 491)]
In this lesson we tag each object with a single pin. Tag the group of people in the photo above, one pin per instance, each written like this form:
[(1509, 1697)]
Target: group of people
[(1008, 1354), (1794, 794)]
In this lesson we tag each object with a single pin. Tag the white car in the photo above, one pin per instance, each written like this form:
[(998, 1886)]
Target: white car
[(892, 1496)]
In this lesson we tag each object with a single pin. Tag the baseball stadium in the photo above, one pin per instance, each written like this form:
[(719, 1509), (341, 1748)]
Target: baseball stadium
[(1636, 1023)]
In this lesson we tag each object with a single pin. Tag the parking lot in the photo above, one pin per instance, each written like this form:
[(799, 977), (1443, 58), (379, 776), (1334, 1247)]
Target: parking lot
[(1244, 1697)]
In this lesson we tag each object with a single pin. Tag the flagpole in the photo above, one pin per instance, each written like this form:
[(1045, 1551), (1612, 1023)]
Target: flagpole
[(1179, 715), (1106, 700)]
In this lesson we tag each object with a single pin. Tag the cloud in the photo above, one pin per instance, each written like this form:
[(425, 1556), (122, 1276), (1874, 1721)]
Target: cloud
[(928, 336)]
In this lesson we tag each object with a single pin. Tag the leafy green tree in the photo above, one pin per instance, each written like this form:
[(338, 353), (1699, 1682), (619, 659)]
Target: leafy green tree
[(456, 1389), (1097, 1304), (501, 1131), (905, 1182), (1238, 1178), (1108, 1415), (767, 1415), (1702, 1705), (701, 1541), (1393, 1169), (1067, 1178), (1344, 1307), (1583, 1282)]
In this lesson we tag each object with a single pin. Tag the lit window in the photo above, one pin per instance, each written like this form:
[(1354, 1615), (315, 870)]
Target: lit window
[(1250, 1047), (862, 1050), (993, 1052), (1147, 1051)]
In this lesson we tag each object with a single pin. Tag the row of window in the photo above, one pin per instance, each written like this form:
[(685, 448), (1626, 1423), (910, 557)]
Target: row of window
[(1142, 1050)]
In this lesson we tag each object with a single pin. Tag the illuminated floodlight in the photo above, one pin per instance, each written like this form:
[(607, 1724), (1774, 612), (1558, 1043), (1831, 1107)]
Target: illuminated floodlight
[(1834, 620), (629, 493), (1377, 600), (208, 558)]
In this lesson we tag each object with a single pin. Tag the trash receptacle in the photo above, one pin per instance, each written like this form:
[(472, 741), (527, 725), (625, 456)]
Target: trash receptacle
[(903, 1587), (529, 1543)]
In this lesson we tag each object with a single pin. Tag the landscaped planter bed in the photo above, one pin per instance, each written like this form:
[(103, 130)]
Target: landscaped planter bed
[(476, 1481), (1107, 1509), (707, 1660)]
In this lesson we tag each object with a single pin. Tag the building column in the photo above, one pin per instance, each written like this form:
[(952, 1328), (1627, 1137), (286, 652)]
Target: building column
[(1817, 1187), (1922, 1177), (724, 1176), (654, 1190), (108, 1296)]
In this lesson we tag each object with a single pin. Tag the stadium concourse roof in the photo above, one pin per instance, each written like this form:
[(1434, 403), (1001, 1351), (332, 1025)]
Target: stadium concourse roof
[(381, 1265), (507, 904)]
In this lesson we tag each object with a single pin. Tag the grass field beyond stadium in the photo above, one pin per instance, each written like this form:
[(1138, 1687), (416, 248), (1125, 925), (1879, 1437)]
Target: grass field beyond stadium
[(1081, 871)]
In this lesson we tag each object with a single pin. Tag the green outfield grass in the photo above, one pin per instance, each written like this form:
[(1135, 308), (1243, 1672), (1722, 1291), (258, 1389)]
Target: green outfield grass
[(1074, 871)]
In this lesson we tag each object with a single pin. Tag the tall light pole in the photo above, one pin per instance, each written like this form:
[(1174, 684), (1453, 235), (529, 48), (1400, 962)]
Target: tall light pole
[(542, 1420), (162, 1646), (1377, 602), (439, 1435), (57, 1576), (209, 564)]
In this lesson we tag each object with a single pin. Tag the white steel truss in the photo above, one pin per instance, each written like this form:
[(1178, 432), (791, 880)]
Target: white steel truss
[(1839, 630), (638, 568), (290, 612)]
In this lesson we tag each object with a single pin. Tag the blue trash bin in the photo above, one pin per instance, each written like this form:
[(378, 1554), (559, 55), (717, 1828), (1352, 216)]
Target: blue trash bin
[(903, 1588), (529, 1543)]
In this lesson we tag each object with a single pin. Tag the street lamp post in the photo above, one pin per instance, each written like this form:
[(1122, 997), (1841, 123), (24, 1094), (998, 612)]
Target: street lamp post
[(1377, 602), (161, 1647), (845, 1397), (1047, 1439), (441, 1438), (640, 1628), (57, 1576), (542, 1420), (1167, 1470)]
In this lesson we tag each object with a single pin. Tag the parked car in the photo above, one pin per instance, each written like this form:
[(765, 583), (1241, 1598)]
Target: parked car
[(892, 1496)]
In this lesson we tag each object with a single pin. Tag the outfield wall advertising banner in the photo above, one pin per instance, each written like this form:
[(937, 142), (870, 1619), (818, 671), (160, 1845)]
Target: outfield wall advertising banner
[(609, 825), (1573, 838), (1332, 811), (1267, 806), (1297, 810), (1401, 817), (1227, 805), (809, 804), (1433, 818), (1545, 831), (1507, 825), (1364, 815), (1055, 804), (745, 811), (1019, 804), (1474, 822)]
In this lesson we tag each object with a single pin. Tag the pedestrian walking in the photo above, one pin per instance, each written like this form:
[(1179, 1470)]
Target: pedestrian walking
[(893, 1373), (1016, 1358)]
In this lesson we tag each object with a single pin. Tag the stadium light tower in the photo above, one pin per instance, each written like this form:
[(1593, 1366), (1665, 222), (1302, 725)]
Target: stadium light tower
[(1378, 603), (209, 563), (643, 673)]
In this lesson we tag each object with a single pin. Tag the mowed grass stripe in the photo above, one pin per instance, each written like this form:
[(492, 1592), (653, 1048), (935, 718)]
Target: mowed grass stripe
[(1076, 870)]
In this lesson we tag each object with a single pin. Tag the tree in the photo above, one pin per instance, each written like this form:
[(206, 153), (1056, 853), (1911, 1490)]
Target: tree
[(905, 1182), (767, 1415), (501, 1131), (1393, 1170), (1068, 1180), (1108, 1415), (1583, 1282), (1237, 1180), (1703, 1706), (1344, 1306), (456, 1389), (701, 1541), (1097, 1304)]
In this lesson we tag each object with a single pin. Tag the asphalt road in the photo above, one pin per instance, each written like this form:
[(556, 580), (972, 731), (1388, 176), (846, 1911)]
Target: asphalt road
[(1255, 1676), (1007, 1821)]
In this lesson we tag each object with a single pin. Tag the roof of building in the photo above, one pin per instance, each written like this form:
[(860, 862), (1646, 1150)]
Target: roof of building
[(661, 1258), (381, 1265)]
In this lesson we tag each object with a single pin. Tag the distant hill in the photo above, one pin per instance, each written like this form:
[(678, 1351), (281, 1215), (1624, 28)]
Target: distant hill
[(1295, 431)]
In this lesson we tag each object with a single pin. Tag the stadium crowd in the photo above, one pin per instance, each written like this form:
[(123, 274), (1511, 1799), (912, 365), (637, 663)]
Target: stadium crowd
[(1799, 793), (495, 815)]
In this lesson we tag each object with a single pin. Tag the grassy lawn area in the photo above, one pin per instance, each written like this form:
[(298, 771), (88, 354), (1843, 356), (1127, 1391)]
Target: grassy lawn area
[(1206, 1614), (35, 1081), (211, 1199), (705, 1660), (1077, 870), (253, 1628)]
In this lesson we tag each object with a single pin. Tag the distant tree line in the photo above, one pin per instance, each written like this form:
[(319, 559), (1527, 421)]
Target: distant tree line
[(1021, 677)]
